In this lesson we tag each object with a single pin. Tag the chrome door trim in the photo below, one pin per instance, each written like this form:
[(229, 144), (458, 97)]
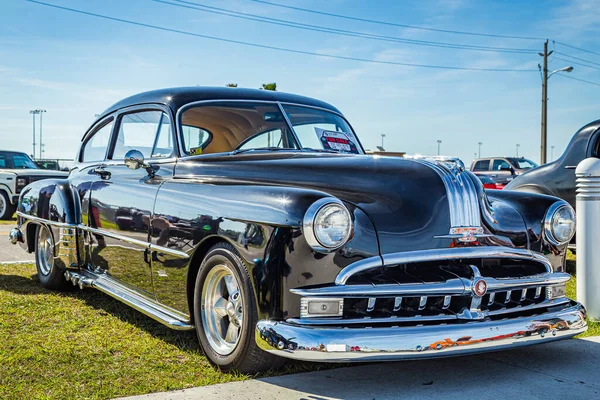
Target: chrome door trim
[(46, 221), (173, 252)]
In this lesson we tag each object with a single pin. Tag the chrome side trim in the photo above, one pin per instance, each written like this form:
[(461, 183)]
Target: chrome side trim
[(149, 307), (113, 235), (46, 221), (172, 252), (332, 344), (445, 254)]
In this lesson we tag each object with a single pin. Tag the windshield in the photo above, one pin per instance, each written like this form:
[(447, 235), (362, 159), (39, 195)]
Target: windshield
[(523, 163), (233, 126), (322, 130), (12, 160)]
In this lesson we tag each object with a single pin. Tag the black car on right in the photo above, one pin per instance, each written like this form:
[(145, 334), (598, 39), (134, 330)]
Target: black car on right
[(558, 178)]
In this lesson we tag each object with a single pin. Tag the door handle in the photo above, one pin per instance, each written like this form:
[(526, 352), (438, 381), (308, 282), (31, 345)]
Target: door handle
[(571, 167), (104, 174)]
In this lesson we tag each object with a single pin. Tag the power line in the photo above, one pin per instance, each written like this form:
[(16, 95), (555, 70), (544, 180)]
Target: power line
[(578, 79), (577, 58), (568, 45), (395, 24), (317, 28), (576, 63), (263, 46)]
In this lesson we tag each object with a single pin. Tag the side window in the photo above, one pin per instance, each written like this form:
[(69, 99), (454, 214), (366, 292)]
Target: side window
[(195, 139), (482, 165), (95, 147), (146, 131), (272, 138), (2, 162), (500, 165)]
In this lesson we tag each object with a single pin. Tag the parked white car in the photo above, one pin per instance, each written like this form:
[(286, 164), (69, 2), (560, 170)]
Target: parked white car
[(17, 170)]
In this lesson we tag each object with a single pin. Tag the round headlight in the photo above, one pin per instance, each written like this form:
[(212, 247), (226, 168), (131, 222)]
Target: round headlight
[(327, 225), (560, 223)]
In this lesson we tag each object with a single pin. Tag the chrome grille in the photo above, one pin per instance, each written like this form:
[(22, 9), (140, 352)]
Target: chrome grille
[(434, 291)]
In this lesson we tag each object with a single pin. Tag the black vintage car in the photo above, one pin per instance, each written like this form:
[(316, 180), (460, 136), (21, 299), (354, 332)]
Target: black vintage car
[(558, 178), (255, 218)]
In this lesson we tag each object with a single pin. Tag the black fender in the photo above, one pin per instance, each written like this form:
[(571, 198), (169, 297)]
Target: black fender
[(55, 204), (264, 224), (533, 208)]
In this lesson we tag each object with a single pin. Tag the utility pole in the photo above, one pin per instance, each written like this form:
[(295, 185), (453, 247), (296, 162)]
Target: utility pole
[(41, 112), (545, 54), (518, 150), (480, 143), (439, 142), (33, 113)]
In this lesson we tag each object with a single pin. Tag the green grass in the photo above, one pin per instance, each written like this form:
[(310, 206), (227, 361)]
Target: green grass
[(86, 345), (593, 327)]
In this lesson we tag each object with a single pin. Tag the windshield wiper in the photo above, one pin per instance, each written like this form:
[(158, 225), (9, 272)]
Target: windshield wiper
[(238, 151)]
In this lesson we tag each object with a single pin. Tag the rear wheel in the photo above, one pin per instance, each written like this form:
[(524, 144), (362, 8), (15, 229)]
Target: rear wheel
[(51, 277), (226, 315), (6, 208)]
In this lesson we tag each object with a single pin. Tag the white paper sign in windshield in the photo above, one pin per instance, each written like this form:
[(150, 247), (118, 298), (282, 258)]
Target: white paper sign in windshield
[(338, 141)]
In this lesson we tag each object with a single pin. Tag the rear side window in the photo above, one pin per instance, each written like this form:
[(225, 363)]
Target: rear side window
[(500, 165), (482, 165), (148, 132), (95, 147)]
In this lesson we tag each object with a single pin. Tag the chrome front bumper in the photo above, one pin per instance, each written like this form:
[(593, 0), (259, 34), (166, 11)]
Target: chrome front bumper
[(330, 344)]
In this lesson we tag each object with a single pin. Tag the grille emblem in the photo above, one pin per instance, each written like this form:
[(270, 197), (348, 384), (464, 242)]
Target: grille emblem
[(465, 234), (479, 287)]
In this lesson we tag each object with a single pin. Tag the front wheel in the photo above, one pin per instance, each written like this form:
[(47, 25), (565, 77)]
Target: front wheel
[(51, 277), (226, 315), (7, 209)]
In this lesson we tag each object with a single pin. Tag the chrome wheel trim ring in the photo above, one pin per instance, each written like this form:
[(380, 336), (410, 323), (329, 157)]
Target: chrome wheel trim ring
[(3, 206), (222, 309), (45, 249)]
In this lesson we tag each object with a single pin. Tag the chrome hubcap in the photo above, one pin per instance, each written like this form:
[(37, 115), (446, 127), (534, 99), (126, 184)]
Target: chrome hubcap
[(222, 309), (45, 249)]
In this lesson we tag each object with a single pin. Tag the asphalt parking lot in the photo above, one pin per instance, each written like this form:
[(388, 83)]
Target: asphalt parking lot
[(8, 252), (566, 370)]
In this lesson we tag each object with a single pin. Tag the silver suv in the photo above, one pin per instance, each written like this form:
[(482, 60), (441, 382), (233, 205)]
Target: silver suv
[(17, 170)]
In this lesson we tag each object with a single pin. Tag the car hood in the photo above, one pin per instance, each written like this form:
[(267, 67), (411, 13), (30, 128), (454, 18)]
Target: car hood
[(37, 172), (406, 200)]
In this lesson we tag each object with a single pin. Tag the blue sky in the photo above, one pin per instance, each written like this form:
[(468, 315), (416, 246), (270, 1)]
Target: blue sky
[(75, 66)]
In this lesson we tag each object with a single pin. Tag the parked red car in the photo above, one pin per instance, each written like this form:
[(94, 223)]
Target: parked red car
[(489, 183)]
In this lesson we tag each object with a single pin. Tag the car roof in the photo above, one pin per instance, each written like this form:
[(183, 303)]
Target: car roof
[(175, 98), (12, 152)]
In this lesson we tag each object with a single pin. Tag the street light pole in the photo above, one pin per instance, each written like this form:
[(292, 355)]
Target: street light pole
[(33, 113), (551, 153), (439, 142), (518, 150), (41, 142), (480, 143), (382, 136), (545, 77)]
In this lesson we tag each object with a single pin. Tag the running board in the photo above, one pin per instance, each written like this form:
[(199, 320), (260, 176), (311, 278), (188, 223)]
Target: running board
[(152, 309)]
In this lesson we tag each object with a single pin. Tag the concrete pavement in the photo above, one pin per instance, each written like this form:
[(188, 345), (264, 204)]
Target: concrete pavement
[(566, 369), (10, 253)]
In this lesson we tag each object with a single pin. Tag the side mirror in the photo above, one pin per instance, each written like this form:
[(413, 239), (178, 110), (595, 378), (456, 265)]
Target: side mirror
[(509, 169), (134, 159)]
